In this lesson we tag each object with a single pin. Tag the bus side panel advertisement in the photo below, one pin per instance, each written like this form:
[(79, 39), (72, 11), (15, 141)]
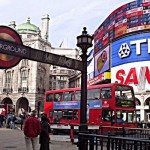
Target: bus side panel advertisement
[(94, 104)]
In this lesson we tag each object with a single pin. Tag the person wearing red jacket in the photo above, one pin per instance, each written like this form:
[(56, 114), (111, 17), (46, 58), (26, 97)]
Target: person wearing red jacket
[(32, 129)]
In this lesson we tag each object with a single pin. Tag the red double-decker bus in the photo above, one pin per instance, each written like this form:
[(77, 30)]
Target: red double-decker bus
[(107, 105)]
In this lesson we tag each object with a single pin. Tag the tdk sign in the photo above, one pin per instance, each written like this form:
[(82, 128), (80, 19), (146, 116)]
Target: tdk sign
[(130, 49), (124, 50)]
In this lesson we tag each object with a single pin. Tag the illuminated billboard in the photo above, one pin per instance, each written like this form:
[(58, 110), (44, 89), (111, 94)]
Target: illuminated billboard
[(136, 74), (133, 48), (102, 61), (130, 61), (128, 18)]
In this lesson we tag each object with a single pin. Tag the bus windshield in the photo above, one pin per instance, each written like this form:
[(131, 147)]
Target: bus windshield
[(124, 96)]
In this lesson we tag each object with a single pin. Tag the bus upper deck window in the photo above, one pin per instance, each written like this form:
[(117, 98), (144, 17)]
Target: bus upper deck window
[(93, 94), (68, 96), (58, 97), (106, 93), (78, 95), (49, 97)]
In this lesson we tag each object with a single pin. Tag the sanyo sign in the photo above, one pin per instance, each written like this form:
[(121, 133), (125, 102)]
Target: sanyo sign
[(136, 74), (130, 49)]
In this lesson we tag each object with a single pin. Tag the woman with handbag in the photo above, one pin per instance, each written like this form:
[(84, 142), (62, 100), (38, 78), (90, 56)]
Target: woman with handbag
[(44, 136)]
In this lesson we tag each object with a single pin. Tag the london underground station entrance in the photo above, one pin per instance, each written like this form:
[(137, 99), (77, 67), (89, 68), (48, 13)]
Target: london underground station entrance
[(12, 51)]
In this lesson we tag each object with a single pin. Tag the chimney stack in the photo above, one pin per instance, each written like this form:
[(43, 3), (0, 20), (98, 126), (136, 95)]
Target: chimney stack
[(12, 24), (45, 27)]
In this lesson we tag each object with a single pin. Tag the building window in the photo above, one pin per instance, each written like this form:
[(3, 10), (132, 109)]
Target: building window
[(62, 78), (62, 71), (8, 80), (24, 78), (41, 78), (24, 62), (28, 36), (62, 84), (54, 67)]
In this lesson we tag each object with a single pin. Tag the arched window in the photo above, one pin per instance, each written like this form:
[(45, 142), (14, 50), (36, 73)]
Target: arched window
[(137, 102), (147, 101)]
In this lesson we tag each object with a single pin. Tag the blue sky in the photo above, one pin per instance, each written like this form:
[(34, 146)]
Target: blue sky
[(67, 17)]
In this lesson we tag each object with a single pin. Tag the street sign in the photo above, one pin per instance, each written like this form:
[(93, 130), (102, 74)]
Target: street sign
[(25, 52), (8, 34)]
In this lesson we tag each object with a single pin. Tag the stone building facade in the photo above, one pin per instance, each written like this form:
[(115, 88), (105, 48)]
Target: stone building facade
[(25, 84)]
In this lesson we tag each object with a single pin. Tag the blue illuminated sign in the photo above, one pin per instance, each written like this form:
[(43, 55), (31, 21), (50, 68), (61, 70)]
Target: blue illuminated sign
[(92, 104), (130, 49)]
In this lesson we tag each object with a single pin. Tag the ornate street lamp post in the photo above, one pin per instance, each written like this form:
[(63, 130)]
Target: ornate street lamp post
[(84, 41)]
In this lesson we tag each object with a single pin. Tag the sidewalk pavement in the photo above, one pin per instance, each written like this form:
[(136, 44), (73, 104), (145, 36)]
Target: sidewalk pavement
[(13, 139)]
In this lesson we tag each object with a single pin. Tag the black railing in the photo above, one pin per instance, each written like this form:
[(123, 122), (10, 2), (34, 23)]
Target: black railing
[(141, 133), (108, 142)]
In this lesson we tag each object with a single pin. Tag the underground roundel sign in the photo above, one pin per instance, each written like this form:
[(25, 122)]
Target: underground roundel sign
[(8, 34)]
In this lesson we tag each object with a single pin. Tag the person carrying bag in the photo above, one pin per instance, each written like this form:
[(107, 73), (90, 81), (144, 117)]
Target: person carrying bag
[(44, 136)]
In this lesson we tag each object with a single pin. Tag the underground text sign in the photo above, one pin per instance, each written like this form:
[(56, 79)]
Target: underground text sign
[(26, 52)]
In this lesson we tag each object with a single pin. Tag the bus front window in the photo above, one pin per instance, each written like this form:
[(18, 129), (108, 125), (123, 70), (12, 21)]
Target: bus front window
[(57, 115), (124, 96)]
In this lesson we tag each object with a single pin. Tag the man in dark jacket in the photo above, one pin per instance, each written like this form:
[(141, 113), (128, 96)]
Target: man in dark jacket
[(32, 129)]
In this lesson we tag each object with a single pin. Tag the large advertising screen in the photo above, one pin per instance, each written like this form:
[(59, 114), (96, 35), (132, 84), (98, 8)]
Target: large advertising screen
[(102, 61), (130, 61), (136, 74), (125, 19), (134, 48)]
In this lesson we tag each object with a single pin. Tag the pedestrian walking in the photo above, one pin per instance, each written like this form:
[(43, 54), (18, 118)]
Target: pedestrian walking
[(44, 136), (32, 129), (22, 121), (12, 122), (1, 120), (8, 120)]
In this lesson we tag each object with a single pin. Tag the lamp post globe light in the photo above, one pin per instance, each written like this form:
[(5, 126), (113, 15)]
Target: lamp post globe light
[(84, 41)]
